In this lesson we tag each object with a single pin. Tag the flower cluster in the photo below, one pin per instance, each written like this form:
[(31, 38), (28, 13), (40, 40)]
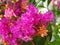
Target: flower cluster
[(24, 27)]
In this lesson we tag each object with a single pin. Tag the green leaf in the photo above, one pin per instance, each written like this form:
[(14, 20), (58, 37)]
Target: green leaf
[(58, 12), (32, 1), (56, 31), (43, 0), (47, 41), (48, 1), (27, 43), (50, 30), (55, 43), (39, 40)]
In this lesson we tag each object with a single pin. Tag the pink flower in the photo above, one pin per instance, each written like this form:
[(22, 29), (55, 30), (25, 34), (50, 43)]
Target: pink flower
[(5, 31), (31, 15), (9, 13), (23, 28), (27, 38), (48, 17), (4, 26), (53, 1), (31, 8), (7, 1), (58, 3)]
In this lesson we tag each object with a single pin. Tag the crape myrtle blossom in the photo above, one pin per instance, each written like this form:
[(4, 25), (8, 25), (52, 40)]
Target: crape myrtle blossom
[(59, 4), (28, 19), (48, 17), (31, 18), (56, 2), (5, 25), (20, 6), (7, 1), (34, 17), (24, 29), (21, 31), (9, 13), (13, 10), (53, 1), (17, 8), (31, 8)]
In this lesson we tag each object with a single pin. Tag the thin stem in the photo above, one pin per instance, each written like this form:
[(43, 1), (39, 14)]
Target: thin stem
[(32, 43)]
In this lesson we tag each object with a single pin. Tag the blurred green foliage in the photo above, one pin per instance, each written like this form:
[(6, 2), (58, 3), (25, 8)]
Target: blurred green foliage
[(56, 34)]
